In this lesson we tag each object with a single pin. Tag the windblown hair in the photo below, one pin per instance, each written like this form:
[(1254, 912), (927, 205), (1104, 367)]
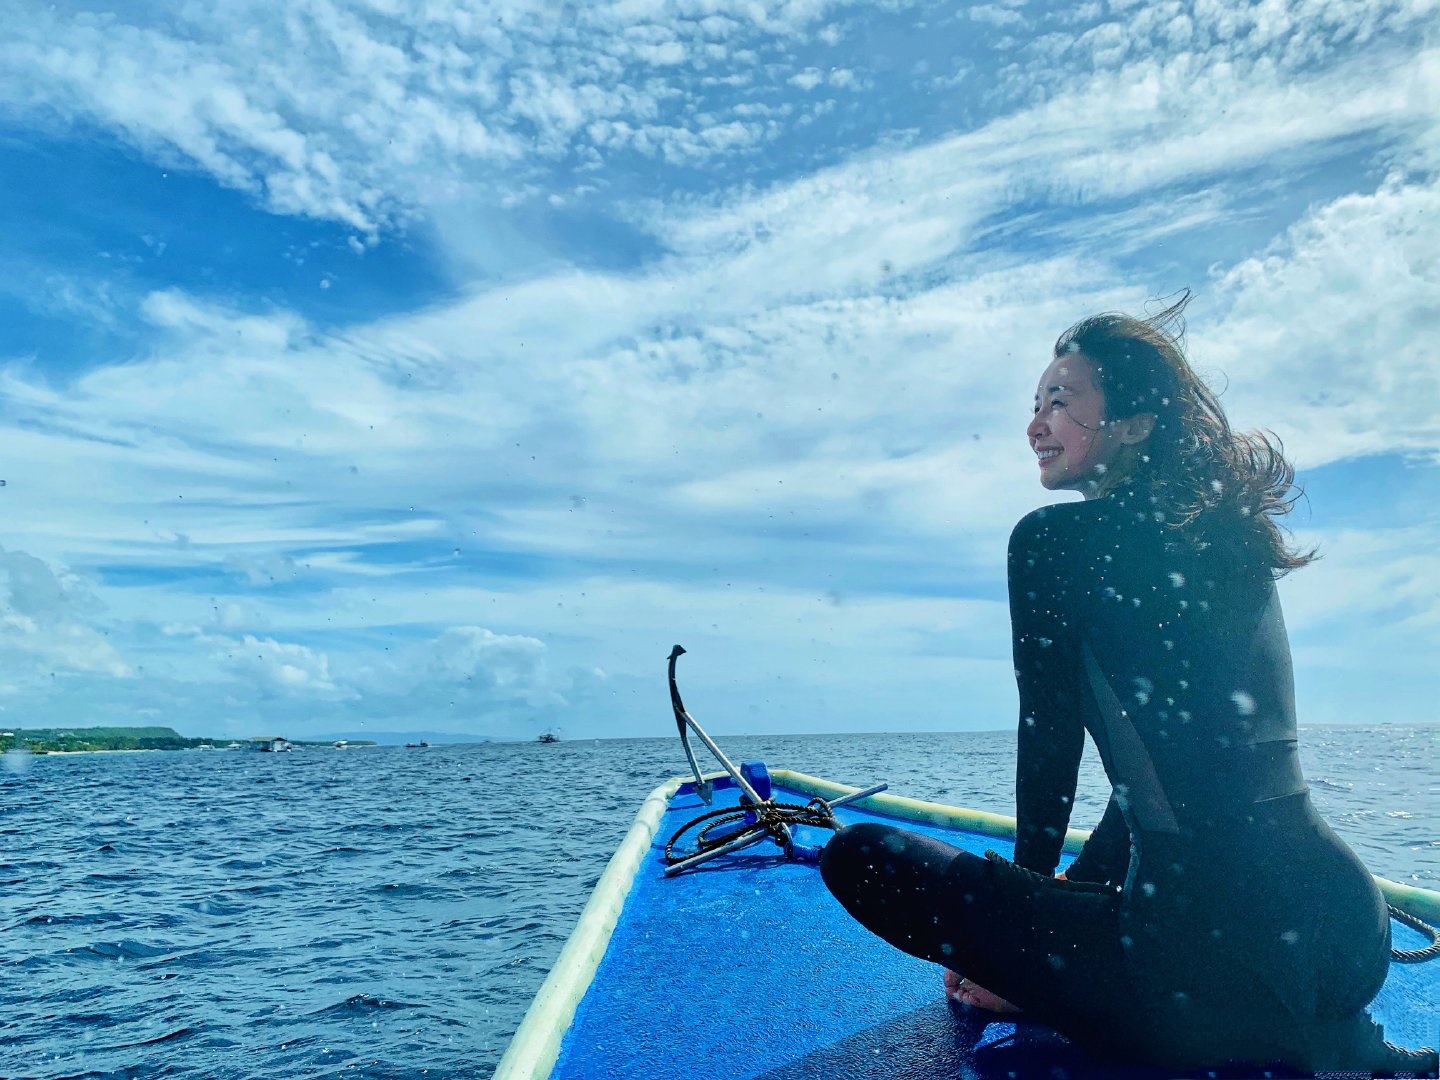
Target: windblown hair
[(1217, 485)]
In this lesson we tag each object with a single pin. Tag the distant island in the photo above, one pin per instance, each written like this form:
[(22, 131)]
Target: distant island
[(76, 740)]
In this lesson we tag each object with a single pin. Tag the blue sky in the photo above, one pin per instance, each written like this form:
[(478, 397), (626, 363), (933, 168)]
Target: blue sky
[(397, 366)]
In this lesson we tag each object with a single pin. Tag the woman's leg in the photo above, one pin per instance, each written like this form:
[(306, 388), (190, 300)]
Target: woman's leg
[(895, 883), (1052, 950), (1055, 949)]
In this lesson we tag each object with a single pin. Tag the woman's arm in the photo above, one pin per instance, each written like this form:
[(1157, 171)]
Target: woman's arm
[(1044, 638)]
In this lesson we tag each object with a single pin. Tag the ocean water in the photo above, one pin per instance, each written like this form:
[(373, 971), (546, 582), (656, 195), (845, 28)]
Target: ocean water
[(390, 912)]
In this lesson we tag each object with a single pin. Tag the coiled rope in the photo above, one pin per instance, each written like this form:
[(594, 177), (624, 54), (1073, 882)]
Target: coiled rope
[(1415, 956), (770, 817)]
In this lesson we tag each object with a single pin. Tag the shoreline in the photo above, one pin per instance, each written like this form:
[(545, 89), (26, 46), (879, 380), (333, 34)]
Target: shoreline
[(25, 751)]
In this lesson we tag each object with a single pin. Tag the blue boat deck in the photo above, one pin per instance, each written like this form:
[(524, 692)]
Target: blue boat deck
[(745, 968)]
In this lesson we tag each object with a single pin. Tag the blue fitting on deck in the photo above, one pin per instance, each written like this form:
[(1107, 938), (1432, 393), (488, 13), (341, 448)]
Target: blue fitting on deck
[(758, 777), (804, 853)]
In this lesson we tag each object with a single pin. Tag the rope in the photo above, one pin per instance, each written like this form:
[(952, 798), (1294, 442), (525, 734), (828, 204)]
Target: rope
[(770, 817), (1415, 956)]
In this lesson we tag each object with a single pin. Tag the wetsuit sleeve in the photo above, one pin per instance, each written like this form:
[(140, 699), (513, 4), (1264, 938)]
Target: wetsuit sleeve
[(1047, 664), (1106, 855)]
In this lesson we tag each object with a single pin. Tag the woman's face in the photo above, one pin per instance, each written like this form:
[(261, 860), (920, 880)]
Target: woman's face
[(1073, 442)]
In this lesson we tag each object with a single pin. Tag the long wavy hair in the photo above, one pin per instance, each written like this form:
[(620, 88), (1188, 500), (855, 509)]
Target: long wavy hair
[(1214, 484)]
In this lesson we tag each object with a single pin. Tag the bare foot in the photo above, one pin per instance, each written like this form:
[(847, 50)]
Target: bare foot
[(977, 997)]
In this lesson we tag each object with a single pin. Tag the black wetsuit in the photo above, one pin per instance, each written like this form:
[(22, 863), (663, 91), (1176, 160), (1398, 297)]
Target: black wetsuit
[(1213, 916)]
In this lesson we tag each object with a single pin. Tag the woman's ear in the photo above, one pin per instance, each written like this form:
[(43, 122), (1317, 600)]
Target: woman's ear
[(1136, 429)]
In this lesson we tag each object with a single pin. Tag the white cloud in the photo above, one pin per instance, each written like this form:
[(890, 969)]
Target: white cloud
[(1384, 576), (1364, 622), (1108, 137), (995, 15), (358, 114), (45, 624), (265, 570), (268, 667), (1335, 321), (1271, 35), (462, 653)]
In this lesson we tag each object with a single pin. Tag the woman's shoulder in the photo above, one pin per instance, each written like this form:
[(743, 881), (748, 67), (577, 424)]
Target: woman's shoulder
[(1070, 535), (1067, 520)]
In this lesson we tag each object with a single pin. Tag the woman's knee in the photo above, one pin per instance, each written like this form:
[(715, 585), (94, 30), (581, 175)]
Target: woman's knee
[(894, 883), (880, 864), (849, 858)]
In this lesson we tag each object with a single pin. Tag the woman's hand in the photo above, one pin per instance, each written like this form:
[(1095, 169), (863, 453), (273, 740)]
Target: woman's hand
[(966, 992)]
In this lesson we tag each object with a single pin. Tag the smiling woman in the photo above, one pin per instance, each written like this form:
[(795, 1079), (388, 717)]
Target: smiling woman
[(1213, 917)]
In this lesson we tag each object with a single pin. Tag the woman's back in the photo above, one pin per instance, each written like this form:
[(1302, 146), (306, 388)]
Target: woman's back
[(1188, 637), (1174, 654)]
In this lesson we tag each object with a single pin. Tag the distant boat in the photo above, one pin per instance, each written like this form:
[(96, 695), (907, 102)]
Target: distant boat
[(341, 744), (416, 745), (233, 746), (548, 737), (276, 745)]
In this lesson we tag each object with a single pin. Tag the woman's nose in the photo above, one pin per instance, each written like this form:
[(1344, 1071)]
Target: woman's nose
[(1036, 427)]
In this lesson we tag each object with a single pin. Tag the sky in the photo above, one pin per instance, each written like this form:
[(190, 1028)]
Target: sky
[(424, 365)]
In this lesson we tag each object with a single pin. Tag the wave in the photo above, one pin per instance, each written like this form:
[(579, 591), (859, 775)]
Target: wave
[(216, 907), (364, 1004), (416, 890), (125, 949), (88, 918), (169, 1036)]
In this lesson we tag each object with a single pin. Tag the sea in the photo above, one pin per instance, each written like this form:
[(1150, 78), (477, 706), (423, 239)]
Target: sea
[(390, 912)]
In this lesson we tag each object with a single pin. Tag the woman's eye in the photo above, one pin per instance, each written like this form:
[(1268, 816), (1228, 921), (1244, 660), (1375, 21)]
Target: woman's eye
[(1057, 404)]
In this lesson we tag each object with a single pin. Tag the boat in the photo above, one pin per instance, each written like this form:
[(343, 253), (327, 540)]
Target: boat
[(733, 962), (417, 745), (548, 737)]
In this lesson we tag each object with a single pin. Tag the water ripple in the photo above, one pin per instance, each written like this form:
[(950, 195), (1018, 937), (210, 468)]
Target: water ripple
[(363, 1004)]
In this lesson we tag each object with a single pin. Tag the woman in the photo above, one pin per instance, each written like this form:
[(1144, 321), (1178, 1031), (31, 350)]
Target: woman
[(1212, 917)]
